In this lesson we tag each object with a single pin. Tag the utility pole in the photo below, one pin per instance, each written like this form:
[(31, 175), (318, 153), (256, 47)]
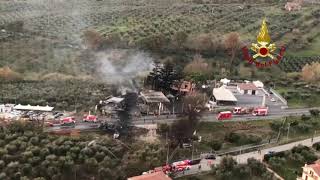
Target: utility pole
[(280, 129), (167, 161), (192, 151), (288, 132)]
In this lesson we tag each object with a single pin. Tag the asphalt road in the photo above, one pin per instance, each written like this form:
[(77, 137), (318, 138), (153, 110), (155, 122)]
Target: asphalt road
[(206, 117)]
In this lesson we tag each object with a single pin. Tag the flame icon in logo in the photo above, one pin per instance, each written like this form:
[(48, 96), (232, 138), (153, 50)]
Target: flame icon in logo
[(263, 40), (263, 49)]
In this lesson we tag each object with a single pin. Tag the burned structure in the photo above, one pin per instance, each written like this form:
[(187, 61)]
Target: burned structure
[(153, 102), (111, 106)]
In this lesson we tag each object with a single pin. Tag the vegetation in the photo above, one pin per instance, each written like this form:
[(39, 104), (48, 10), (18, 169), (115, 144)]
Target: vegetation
[(229, 169), (311, 73), (288, 164), (29, 153), (63, 95)]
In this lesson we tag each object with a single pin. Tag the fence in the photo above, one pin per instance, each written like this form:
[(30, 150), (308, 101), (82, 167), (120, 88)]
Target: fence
[(279, 96)]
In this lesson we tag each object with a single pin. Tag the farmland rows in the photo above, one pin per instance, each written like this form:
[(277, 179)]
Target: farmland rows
[(294, 64)]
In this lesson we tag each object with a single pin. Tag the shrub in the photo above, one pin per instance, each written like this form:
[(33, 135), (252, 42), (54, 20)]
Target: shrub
[(314, 112), (215, 145)]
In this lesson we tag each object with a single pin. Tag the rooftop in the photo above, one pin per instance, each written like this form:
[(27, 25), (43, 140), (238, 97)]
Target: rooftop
[(315, 167), (32, 108), (153, 176), (114, 100), (154, 97), (223, 94), (247, 86)]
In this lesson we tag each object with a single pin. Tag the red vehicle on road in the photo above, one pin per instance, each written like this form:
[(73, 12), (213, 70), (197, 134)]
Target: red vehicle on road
[(68, 120), (260, 111), (224, 115), (242, 110), (90, 118), (181, 165)]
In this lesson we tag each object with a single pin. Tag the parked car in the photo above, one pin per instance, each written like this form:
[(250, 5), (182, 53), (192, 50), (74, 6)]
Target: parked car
[(186, 145), (208, 156), (272, 100)]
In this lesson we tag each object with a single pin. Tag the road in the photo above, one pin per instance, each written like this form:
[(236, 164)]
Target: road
[(206, 117), (242, 158)]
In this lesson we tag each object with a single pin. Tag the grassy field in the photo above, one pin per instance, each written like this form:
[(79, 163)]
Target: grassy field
[(300, 96)]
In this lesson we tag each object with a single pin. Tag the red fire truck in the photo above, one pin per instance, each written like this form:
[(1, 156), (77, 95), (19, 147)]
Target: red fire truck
[(90, 118), (224, 115), (242, 110), (68, 121), (260, 111)]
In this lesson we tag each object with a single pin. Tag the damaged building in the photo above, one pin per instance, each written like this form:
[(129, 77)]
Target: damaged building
[(183, 87), (153, 102), (112, 105)]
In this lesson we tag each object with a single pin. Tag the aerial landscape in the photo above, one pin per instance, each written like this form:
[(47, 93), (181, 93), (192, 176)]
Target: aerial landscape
[(159, 89)]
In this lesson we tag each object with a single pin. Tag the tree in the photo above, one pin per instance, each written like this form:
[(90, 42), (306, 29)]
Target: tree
[(6, 73), (163, 77), (215, 144), (183, 129), (180, 38), (311, 73), (314, 112), (232, 45), (93, 39), (197, 66)]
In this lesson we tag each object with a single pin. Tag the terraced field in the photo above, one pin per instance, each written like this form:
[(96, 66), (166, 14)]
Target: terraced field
[(136, 21)]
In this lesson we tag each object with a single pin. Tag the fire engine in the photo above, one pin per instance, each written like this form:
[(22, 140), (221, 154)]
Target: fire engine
[(90, 118), (260, 111), (224, 115), (68, 121), (242, 110)]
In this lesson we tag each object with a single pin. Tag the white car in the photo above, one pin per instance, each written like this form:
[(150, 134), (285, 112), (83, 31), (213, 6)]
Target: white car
[(272, 100)]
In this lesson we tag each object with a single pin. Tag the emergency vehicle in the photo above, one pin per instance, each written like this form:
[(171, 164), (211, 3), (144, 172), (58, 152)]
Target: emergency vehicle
[(260, 111), (90, 118), (242, 110), (68, 121), (224, 115)]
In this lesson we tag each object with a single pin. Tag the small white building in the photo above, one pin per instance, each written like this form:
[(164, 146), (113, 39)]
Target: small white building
[(225, 81), (247, 88), (258, 84)]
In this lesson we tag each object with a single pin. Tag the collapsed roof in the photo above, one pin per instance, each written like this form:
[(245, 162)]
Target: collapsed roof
[(154, 97)]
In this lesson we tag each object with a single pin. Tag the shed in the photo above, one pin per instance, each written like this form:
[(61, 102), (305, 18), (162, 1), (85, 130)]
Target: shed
[(224, 96), (154, 100)]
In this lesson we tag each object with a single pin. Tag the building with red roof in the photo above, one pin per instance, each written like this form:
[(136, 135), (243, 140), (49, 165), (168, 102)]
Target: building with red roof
[(311, 171), (247, 88), (152, 176)]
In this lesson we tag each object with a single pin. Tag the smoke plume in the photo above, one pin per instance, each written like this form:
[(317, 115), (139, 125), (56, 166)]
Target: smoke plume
[(123, 68)]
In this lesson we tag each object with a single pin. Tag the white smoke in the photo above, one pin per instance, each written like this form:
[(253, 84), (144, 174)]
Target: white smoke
[(123, 68)]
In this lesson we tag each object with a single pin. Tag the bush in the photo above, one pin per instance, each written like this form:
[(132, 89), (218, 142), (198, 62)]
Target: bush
[(305, 117), (241, 139), (215, 145), (275, 125), (314, 112)]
